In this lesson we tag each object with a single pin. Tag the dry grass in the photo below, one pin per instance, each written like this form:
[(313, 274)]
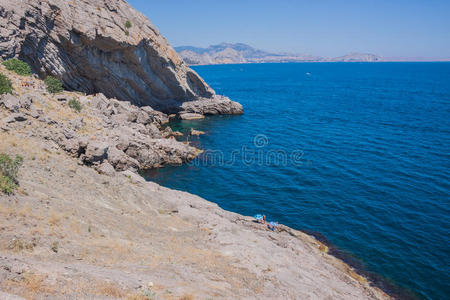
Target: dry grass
[(38, 230), (25, 211), (7, 210), (187, 297), (34, 283), (29, 286), (110, 250), (16, 245), (54, 219), (27, 149), (59, 111), (109, 289), (137, 296), (75, 227), (62, 113)]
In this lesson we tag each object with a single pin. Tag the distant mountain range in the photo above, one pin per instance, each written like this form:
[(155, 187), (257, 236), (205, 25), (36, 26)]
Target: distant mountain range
[(229, 53)]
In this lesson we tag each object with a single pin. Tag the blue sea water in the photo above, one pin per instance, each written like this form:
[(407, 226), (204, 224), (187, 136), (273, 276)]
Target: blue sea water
[(359, 152)]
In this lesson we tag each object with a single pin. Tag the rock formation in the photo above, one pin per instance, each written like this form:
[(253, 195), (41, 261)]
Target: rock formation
[(72, 232), (107, 134), (101, 46)]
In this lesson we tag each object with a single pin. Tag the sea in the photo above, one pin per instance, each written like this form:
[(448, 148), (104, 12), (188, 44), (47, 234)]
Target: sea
[(356, 153)]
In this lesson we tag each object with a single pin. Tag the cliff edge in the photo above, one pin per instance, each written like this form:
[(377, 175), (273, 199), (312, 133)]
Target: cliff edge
[(77, 221), (82, 225), (103, 46)]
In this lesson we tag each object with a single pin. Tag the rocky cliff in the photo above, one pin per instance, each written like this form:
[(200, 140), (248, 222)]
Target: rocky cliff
[(106, 133), (82, 225), (102, 46)]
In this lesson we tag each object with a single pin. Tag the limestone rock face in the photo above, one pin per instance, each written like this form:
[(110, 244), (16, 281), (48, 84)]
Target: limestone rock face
[(220, 105), (100, 46)]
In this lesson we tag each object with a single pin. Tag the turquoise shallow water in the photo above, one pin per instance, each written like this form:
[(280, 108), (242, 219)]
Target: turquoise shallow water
[(359, 152)]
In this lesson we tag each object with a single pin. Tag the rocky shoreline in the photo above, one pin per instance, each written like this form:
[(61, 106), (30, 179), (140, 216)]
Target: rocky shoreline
[(84, 225), (107, 134)]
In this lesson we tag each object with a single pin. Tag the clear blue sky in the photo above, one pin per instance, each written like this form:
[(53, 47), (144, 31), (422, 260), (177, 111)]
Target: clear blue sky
[(320, 27)]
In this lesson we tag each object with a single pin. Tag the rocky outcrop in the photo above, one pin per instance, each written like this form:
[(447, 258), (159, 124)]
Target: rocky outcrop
[(101, 46), (218, 105), (107, 133), (133, 138), (71, 233)]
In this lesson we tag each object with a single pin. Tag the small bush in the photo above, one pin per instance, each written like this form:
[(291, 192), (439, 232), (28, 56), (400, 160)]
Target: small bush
[(75, 105), (127, 24), (54, 85), (127, 33), (10, 167), (5, 85), (8, 172), (17, 66), (7, 186)]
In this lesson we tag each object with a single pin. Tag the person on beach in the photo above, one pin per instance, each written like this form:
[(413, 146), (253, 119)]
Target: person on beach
[(272, 225)]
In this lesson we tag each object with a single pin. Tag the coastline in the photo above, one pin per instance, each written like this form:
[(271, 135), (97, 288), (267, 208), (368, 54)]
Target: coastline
[(375, 279), (355, 267), (200, 237), (80, 222), (79, 228)]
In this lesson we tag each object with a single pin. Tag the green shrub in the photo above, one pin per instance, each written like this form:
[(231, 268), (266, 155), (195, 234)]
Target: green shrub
[(127, 33), (18, 66), (8, 172), (7, 186), (54, 85), (5, 85), (127, 24), (75, 105), (10, 167)]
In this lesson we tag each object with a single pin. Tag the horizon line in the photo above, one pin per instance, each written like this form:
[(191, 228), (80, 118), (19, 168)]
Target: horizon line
[(388, 58)]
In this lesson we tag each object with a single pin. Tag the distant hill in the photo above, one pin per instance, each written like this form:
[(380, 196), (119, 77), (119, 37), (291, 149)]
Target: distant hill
[(363, 57), (228, 53)]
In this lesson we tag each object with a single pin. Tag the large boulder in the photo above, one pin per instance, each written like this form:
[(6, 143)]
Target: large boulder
[(96, 152), (14, 103), (120, 161), (15, 117), (190, 116), (10, 102), (106, 168), (87, 44)]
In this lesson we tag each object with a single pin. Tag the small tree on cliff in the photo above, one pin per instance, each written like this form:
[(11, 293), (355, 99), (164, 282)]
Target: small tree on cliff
[(54, 85)]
